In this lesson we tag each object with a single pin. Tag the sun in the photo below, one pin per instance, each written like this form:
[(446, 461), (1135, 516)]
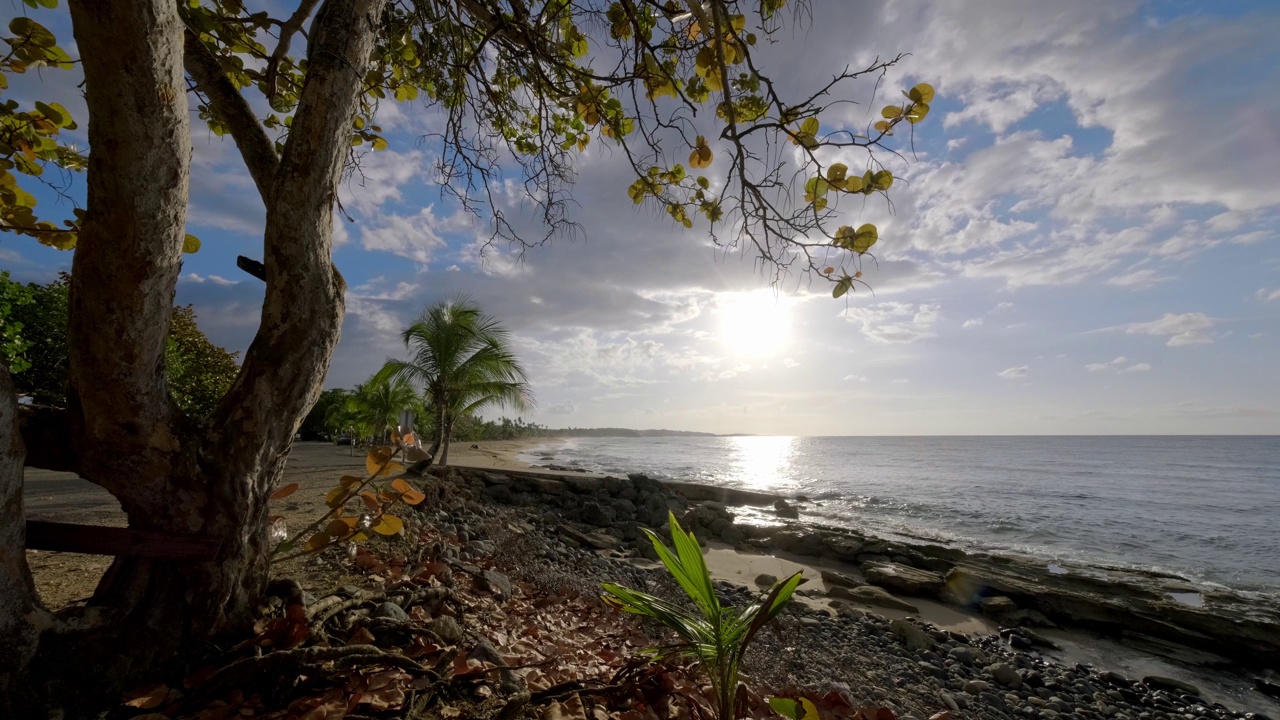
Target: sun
[(753, 324)]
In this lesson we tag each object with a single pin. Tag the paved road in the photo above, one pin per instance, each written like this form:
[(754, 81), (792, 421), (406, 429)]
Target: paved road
[(66, 497)]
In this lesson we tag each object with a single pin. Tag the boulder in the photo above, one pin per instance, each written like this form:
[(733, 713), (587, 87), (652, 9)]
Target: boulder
[(597, 540), (872, 595), (446, 628), (494, 582), (996, 606), (785, 510), (911, 635), (1160, 682), (902, 578), (1005, 675), (766, 580), (594, 513), (390, 611), (849, 580), (1118, 601), (976, 687)]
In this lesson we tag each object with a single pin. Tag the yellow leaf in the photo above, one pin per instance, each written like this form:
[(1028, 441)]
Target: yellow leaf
[(891, 111), (350, 481), (389, 525), (285, 491), (378, 458), (810, 126), (338, 528), (317, 541), (836, 173), (918, 113), (190, 244), (336, 497), (922, 93)]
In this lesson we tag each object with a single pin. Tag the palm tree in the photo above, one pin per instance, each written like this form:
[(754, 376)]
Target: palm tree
[(462, 359), (378, 402)]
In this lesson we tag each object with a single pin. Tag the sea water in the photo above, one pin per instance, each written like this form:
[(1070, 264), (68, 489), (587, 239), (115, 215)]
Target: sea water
[(1205, 508)]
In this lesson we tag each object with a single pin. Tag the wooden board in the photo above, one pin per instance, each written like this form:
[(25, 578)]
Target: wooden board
[(100, 540)]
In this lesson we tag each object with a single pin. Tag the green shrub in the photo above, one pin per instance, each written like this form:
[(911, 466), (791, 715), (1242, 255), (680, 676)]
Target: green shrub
[(715, 636)]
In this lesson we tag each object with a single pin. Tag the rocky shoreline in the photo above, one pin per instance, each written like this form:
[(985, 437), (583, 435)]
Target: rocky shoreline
[(864, 576)]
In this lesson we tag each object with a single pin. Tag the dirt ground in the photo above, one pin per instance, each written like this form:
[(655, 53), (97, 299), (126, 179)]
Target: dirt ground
[(65, 578)]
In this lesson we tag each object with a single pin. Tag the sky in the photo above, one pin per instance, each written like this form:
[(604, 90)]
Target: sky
[(1084, 242)]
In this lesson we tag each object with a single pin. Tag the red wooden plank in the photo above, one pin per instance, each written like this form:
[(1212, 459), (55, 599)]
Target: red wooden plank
[(99, 540)]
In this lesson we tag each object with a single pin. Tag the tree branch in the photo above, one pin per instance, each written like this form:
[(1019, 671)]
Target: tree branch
[(288, 29), (257, 149)]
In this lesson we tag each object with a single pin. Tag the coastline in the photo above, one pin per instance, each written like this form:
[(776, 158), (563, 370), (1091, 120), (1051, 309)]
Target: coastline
[(597, 518), (1129, 621)]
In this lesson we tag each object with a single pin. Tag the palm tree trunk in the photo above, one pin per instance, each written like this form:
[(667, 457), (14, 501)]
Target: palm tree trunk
[(448, 432), (440, 433)]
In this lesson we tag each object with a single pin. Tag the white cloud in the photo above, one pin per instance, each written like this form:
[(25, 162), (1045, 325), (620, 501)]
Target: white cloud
[(1120, 365), (1265, 295), (1182, 330), (564, 408), (1138, 279), (414, 237), (894, 322), (1099, 367), (214, 279), (855, 378), (972, 323), (1014, 373), (900, 381), (380, 178), (1003, 306), (788, 362)]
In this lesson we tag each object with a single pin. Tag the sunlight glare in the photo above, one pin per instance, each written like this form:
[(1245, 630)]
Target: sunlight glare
[(753, 324)]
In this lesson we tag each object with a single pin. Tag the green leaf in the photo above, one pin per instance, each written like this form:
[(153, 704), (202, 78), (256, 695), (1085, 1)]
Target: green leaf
[(810, 126), (37, 34), (190, 244), (891, 111), (922, 93), (842, 287), (918, 113), (379, 143), (866, 236), (51, 114), (836, 173), (796, 709)]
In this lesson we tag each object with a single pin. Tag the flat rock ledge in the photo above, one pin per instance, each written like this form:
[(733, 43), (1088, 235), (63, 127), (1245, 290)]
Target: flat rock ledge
[(610, 513)]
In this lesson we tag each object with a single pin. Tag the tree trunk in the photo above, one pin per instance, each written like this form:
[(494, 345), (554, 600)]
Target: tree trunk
[(440, 434), (169, 472), (448, 434), (21, 616)]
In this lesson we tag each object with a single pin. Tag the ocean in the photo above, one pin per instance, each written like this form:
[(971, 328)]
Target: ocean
[(1205, 508)]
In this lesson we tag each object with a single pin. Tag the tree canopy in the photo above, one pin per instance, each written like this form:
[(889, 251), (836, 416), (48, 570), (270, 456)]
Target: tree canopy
[(673, 87), (463, 361)]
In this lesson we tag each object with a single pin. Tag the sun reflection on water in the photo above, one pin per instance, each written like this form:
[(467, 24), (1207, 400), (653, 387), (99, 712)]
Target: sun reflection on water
[(762, 463)]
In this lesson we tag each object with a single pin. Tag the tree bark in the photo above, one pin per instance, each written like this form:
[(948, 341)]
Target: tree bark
[(171, 473), (21, 616), (448, 434), (440, 431)]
